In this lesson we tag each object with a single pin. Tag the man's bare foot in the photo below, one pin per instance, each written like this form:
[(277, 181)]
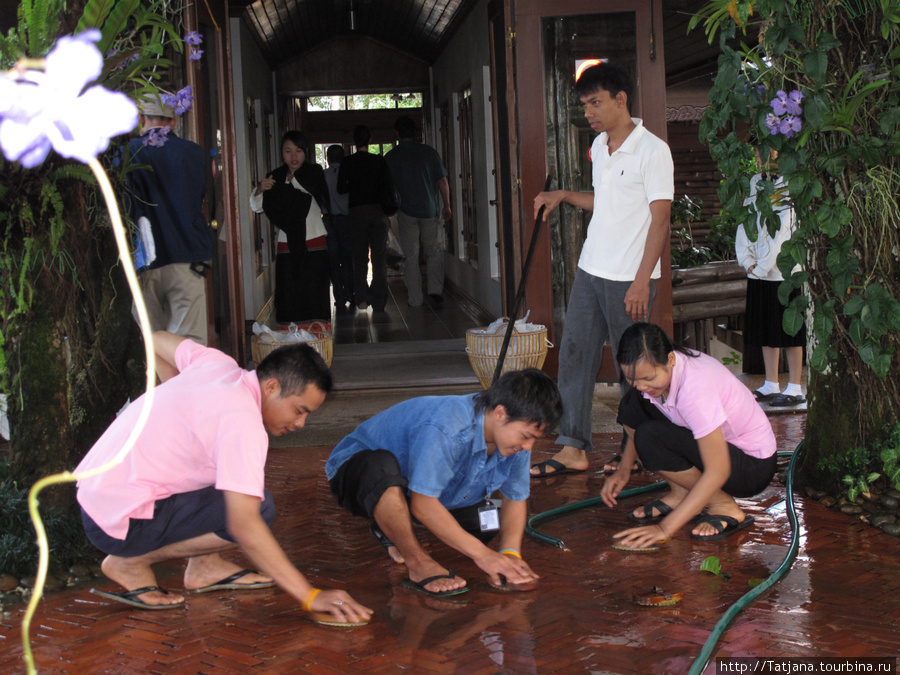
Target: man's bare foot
[(130, 576), (206, 570), (433, 569), (571, 458)]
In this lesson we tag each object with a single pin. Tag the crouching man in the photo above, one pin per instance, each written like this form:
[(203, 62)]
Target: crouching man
[(193, 484), (437, 460)]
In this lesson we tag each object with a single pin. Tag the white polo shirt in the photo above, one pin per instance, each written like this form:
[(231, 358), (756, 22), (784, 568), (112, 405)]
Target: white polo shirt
[(639, 172)]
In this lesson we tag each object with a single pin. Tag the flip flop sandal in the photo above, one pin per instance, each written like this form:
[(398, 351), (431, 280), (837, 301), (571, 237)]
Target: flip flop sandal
[(558, 467), (730, 527), (657, 597), (617, 459), (326, 619), (648, 518), (382, 538), (634, 549), (130, 598), (420, 585), (228, 583), (507, 587)]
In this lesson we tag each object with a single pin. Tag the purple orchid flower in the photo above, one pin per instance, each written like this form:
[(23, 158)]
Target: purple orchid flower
[(181, 101), (790, 125), (52, 109), (193, 38), (778, 103), (793, 103), (773, 122), (787, 103), (195, 55), (157, 137)]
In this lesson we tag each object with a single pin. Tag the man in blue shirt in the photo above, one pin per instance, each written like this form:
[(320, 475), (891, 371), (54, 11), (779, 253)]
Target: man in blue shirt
[(438, 460), (166, 204)]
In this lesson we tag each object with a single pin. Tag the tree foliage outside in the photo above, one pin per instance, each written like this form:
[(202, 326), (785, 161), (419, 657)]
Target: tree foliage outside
[(822, 88), (364, 102)]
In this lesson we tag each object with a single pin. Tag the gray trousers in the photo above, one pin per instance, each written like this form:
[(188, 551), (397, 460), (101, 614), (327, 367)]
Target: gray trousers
[(428, 232), (596, 312)]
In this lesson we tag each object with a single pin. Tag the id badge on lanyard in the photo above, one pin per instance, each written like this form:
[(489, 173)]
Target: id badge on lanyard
[(489, 516)]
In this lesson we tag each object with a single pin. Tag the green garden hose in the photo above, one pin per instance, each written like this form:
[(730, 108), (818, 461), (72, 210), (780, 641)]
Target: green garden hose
[(705, 653), (710, 644)]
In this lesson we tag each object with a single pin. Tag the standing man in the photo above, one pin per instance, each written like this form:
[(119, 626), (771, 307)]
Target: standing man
[(631, 203), (193, 484), (368, 181), (166, 204), (419, 177), (340, 242)]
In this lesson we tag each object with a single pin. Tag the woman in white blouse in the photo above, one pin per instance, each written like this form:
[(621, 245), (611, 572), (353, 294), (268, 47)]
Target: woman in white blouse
[(292, 197)]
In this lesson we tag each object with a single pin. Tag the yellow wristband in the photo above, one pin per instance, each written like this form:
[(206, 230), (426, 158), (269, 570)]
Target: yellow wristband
[(511, 551), (306, 606)]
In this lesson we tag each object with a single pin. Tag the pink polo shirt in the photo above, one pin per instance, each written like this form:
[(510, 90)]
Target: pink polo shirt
[(704, 395), (205, 429)]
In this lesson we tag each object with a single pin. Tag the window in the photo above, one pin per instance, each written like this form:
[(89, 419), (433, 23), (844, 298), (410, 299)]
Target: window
[(364, 102)]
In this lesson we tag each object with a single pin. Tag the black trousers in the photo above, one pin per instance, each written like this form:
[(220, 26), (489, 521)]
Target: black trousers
[(662, 445)]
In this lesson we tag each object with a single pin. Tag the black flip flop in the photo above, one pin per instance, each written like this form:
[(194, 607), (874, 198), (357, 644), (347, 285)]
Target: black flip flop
[(648, 518), (382, 538), (617, 459), (130, 598), (730, 527), (559, 469), (420, 585), (229, 584)]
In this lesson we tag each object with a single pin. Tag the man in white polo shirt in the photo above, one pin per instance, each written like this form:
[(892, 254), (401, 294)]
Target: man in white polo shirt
[(631, 203)]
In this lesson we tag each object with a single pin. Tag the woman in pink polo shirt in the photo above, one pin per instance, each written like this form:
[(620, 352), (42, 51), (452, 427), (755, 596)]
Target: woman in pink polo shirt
[(688, 418)]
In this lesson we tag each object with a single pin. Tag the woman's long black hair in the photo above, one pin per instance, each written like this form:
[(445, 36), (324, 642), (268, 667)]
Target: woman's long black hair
[(647, 342)]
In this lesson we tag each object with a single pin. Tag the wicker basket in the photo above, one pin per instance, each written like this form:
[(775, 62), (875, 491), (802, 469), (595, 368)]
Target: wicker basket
[(264, 344), (526, 350)]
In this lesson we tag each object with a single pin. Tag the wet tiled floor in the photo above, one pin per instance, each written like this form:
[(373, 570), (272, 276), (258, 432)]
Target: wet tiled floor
[(841, 598)]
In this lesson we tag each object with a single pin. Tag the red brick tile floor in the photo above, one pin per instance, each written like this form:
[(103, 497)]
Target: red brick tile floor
[(840, 598)]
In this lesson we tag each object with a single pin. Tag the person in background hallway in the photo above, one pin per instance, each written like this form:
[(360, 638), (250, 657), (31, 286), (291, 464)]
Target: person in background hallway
[(292, 197), (420, 177), (367, 180), (175, 244), (340, 243)]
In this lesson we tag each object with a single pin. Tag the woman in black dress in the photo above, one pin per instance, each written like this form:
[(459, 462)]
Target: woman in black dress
[(292, 197)]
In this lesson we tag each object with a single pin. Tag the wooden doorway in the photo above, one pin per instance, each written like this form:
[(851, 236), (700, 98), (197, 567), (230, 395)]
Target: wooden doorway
[(210, 124)]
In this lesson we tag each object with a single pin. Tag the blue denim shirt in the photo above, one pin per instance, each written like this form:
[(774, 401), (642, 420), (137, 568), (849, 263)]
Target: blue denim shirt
[(439, 443)]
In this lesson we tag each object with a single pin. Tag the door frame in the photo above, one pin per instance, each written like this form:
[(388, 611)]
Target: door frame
[(650, 88), (215, 13)]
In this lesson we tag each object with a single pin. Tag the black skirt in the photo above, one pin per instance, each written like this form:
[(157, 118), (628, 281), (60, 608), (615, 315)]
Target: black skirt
[(302, 293), (763, 318)]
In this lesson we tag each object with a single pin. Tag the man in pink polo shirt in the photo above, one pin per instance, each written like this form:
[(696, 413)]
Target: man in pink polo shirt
[(193, 485)]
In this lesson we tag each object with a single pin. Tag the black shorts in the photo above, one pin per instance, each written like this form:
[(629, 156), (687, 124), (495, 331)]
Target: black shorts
[(362, 480), (176, 518), (662, 445)]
